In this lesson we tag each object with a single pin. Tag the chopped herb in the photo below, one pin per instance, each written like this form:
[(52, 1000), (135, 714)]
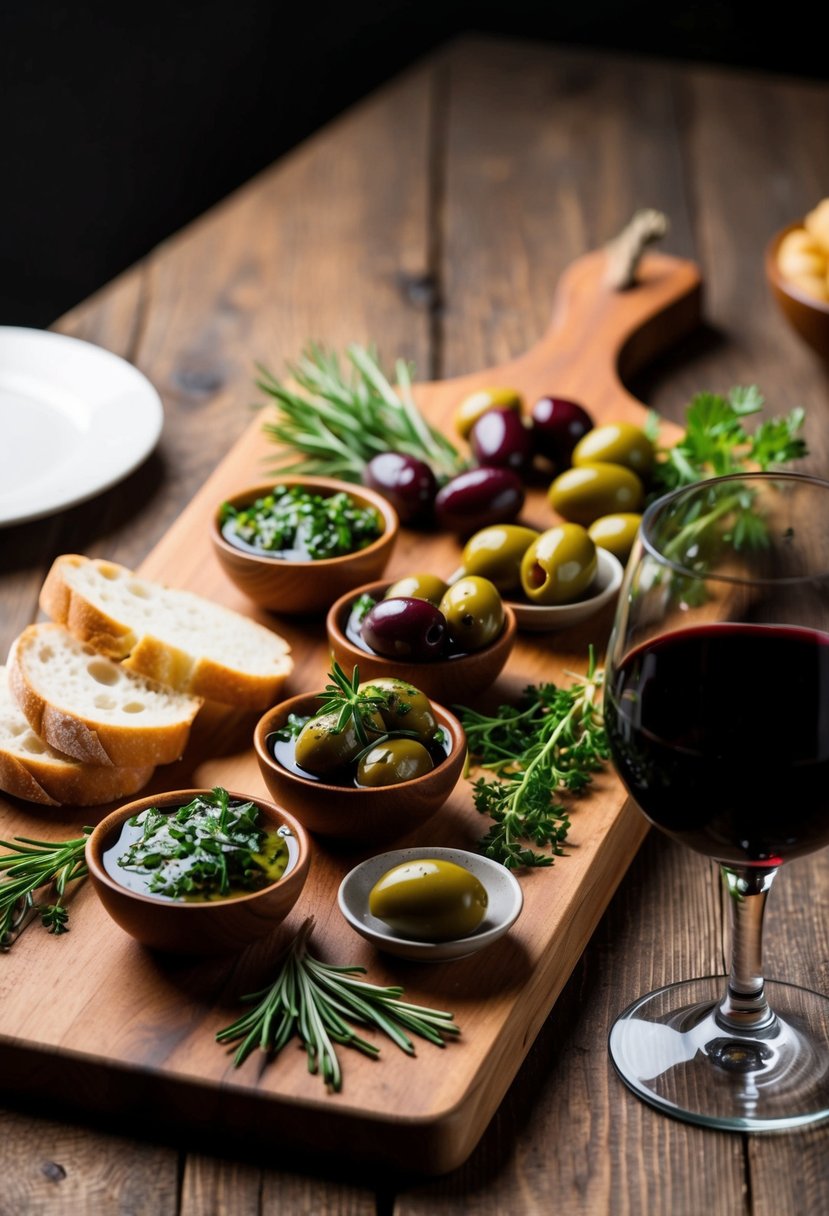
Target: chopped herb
[(297, 523)]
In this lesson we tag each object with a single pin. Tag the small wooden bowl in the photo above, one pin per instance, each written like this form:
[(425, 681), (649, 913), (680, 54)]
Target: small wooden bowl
[(442, 679), (357, 813), (311, 586), (808, 316), (210, 927)]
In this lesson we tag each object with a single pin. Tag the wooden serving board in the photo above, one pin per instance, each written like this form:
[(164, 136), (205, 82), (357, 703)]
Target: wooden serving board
[(93, 1021)]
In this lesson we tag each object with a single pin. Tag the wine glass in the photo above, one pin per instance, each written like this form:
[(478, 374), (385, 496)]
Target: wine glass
[(717, 714)]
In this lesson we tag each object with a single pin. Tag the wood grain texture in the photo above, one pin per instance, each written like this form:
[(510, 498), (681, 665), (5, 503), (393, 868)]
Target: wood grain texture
[(516, 158)]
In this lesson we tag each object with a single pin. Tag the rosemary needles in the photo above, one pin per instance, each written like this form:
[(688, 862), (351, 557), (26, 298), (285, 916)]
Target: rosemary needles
[(317, 1002), (30, 865)]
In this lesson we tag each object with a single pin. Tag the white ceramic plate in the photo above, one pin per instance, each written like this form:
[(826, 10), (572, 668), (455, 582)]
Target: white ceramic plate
[(541, 618), (74, 419), (505, 900)]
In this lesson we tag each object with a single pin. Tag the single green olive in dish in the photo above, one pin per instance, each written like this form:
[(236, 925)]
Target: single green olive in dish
[(418, 587), (481, 402), (474, 613), (405, 708), (559, 566), (429, 900), (616, 443), (616, 533), (321, 749), (394, 761), (495, 553), (582, 494)]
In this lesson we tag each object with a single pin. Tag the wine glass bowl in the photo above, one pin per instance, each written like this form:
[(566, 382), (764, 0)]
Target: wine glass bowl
[(717, 713)]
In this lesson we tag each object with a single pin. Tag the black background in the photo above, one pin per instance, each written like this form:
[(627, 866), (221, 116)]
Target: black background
[(121, 122)]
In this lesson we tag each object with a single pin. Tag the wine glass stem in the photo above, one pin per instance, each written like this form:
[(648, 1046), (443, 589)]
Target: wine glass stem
[(744, 1008)]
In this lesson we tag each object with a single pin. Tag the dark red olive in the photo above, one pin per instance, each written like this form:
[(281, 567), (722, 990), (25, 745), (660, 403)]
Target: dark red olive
[(557, 427), (477, 498), (406, 628), (409, 484), (500, 440)]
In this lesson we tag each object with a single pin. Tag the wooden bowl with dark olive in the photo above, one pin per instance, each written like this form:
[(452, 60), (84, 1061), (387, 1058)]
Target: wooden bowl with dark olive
[(447, 680), (807, 315), (293, 586), (198, 927), (350, 811)]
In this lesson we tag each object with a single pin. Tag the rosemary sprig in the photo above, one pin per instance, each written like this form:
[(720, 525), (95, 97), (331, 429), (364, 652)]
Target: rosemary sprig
[(343, 696), (553, 741), (316, 1001), (30, 865), (343, 413)]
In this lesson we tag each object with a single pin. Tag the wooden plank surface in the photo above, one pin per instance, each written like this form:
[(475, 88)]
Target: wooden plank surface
[(731, 156)]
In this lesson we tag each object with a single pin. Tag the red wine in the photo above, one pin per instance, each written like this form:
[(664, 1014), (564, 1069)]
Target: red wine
[(721, 734)]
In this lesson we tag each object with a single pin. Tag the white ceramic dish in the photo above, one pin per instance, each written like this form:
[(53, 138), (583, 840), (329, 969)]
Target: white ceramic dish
[(542, 618), (74, 419), (505, 900)]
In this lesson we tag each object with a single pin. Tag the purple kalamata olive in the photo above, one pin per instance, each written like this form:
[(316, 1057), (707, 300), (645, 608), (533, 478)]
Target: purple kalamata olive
[(406, 628), (477, 498), (409, 484), (500, 440), (557, 426)]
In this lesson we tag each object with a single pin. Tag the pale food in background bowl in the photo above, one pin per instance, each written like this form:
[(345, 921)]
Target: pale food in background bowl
[(797, 270), (504, 900), (292, 580), (200, 922)]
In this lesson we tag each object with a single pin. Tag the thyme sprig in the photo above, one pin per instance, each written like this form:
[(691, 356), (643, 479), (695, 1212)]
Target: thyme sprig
[(30, 866), (344, 412), (316, 1001), (552, 742)]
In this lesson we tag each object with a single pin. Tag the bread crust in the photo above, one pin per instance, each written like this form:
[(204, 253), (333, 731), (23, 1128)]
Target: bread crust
[(72, 784)]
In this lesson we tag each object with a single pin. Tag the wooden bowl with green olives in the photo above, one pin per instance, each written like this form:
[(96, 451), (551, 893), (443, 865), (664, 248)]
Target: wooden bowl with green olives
[(377, 788), (187, 904), (441, 677), (282, 542)]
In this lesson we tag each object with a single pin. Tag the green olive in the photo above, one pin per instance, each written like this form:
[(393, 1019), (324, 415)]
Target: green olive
[(418, 587), (616, 533), (474, 613), (321, 749), (429, 900), (478, 403), (559, 566), (406, 707), (616, 443), (582, 494), (394, 761), (495, 553)]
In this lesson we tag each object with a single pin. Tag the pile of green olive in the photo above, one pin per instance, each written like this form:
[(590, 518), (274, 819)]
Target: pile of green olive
[(399, 739), (554, 567), (422, 618)]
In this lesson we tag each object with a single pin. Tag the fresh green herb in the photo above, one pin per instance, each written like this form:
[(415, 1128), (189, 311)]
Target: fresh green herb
[(292, 728), (553, 741), (361, 607), (296, 523), (717, 443), (316, 1001), (343, 697), (213, 846), (345, 413), (31, 865)]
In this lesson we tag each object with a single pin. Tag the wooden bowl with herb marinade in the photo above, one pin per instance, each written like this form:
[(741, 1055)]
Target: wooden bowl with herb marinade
[(294, 544), (198, 871)]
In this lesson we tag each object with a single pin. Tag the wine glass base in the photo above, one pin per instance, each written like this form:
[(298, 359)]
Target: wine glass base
[(670, 1050)]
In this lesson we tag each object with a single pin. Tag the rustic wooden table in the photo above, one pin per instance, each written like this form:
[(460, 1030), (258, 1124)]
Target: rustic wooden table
[(434, 219)]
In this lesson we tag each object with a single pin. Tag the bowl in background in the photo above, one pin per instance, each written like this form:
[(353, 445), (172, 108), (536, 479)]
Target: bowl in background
[(807, 315), (445, 680), (199, 926), (289, 586), (357, 813)]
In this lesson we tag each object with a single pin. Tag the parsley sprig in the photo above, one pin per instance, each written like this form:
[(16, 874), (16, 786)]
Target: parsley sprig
[(316, 1001), (553, 741), (30, 866)]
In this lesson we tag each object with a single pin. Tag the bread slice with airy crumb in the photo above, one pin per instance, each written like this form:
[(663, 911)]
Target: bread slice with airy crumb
[(175, 637), (89, 707), (32, 770)]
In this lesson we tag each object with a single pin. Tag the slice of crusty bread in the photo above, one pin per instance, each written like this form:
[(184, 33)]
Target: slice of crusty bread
[(32, 770), (88, 707), (175, 637)]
